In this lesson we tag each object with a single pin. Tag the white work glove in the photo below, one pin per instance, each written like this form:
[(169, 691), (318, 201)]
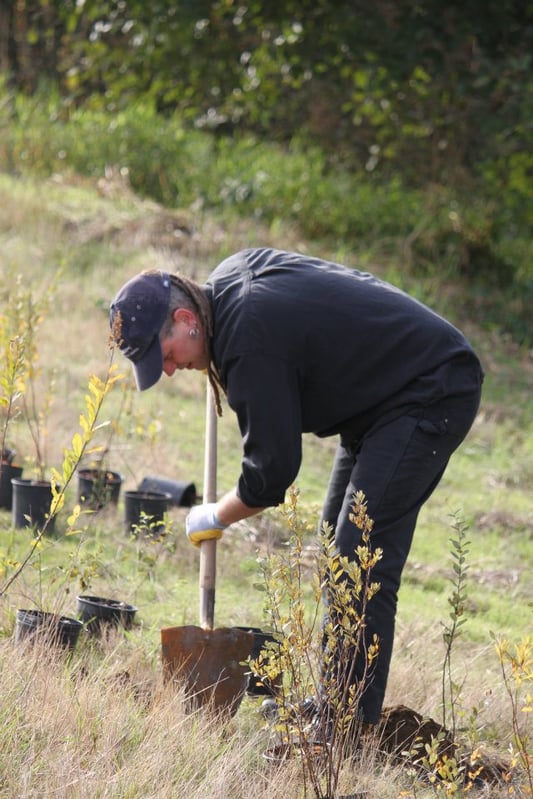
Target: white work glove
[(202, 524)]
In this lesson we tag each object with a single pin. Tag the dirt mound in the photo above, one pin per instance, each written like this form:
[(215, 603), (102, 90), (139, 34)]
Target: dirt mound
[(408, 737), (404, 732)]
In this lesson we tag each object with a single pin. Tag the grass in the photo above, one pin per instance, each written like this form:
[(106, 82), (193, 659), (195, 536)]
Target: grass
[(103, 723)]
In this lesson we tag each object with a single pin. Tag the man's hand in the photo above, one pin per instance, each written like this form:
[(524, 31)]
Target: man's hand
[(202, 523)]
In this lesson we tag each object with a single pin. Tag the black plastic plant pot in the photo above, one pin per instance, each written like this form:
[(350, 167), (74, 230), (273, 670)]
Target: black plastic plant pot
[(258, 686), (48, 628), (31, 503), (98, 488), (181, 493), (144, 512), (7, 473), (99, 613)]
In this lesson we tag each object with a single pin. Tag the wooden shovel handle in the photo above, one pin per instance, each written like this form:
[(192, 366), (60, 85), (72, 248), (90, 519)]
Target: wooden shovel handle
[(208, 549)]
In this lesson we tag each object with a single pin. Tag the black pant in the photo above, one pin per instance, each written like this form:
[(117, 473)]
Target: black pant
[(397, 466)]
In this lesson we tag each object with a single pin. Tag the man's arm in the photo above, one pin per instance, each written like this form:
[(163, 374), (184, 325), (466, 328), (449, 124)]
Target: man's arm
[(230, 509)]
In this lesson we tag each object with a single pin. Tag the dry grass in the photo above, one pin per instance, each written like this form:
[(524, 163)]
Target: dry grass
[(112, 729), (103, 724)]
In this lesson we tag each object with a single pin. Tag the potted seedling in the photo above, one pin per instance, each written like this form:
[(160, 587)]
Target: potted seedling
[(145, 512), (12, 364), (72, 456), (32, 496), (19, 321), (31, 400), (98, 484)]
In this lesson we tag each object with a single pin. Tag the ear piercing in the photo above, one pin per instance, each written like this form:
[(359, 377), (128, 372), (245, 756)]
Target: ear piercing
[(193, 332)]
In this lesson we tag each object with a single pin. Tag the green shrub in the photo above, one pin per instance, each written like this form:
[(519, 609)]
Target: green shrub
[(478, 234)]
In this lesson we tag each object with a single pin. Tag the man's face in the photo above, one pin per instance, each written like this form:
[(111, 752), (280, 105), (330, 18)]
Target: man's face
[(181, 350)]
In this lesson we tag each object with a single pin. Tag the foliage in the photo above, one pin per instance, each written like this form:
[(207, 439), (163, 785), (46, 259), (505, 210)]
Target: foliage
[(73, 456), (310, 658), (516, 661), (12, 367), (445, 764), (21, 318), (451, 632), (430, 230), (408, 95), (448, 772), (374, 83)]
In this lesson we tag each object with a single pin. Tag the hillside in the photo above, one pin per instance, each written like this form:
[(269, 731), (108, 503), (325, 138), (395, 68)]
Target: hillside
[(71, 242)]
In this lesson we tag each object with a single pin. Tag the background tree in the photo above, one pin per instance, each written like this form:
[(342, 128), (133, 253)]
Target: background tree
[(379, 85)]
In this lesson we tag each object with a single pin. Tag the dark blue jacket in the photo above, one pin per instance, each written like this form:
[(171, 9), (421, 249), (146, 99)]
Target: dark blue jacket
[(303, 345)]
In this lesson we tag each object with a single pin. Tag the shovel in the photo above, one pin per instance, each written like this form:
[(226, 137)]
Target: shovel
[(208, 662)]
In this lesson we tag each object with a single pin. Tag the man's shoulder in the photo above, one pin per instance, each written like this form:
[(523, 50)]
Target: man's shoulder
[(235, 263)]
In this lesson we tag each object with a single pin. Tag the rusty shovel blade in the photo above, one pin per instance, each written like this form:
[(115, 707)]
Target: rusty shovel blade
[(209, 664)]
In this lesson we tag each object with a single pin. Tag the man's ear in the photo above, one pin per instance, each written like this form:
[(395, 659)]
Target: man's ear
[(183, 315)]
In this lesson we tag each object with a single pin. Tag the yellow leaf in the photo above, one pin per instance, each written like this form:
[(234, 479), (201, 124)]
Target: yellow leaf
[(74, 516), (58, 500), (77, 445)]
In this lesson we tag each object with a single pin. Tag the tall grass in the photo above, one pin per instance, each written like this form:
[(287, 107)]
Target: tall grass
[(107, 726)]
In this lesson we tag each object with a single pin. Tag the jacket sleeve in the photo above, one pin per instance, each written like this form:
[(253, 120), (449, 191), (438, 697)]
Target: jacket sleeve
[(264, 393)]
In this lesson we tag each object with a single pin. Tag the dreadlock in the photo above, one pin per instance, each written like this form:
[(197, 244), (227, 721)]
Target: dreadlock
[(185, 292)]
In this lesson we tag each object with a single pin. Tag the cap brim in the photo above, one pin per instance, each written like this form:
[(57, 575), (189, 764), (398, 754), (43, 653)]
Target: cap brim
[(149, 368)]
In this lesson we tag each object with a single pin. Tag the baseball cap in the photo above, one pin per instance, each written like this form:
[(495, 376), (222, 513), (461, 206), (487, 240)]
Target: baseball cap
[(143, 304)]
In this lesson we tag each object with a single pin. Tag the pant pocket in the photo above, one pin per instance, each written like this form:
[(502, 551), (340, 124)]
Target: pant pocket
[(433, 428)]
